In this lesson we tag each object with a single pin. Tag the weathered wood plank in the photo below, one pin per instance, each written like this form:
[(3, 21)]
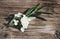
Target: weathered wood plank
[(37, 29)]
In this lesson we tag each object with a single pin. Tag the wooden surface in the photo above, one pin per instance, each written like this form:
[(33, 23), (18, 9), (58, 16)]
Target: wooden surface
[(37, 29)]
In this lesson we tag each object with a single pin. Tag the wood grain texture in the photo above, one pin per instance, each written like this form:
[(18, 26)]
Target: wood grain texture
[(37, 29)]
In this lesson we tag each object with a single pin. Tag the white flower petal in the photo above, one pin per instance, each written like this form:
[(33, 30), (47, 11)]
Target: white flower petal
[(15, 22), (31, 18), (22, 29), (18, 15), (24, 21)]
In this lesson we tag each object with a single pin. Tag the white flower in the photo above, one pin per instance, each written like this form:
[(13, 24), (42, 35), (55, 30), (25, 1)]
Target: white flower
[(24, 21), (18, 15), (22, 29), (15, 22)]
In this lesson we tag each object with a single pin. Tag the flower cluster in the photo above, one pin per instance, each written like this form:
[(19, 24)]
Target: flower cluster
[(21, 20), (24, 21)]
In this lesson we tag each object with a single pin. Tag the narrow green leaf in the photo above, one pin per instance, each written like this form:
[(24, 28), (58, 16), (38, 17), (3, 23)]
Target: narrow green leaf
[(19, 25), (41, 18), (35, 8), (38, 7), (26, 11), (10, 22), (35, 14), (45, 13), (31, 10)]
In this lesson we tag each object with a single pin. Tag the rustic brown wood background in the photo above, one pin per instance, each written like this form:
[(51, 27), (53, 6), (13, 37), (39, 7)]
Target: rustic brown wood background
[(37, 29)]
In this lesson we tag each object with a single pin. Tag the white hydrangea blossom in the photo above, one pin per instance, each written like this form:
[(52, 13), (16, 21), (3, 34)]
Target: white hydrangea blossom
[(15, 22)]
